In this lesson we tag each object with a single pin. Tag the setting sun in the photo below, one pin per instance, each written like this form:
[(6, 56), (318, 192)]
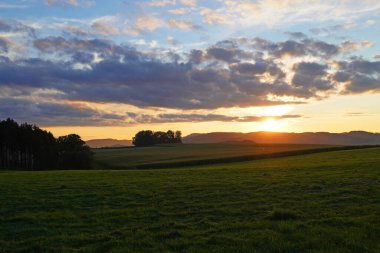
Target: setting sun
[(271, 125)]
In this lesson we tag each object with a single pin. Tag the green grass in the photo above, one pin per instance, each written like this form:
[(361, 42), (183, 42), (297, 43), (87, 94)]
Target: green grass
[(327, 202), (179, 154)]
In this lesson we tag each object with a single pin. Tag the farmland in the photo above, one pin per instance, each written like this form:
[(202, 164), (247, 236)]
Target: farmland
[(326, 202), (168, 155)]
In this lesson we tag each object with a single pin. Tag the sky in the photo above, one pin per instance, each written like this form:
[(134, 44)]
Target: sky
[(107, 69)]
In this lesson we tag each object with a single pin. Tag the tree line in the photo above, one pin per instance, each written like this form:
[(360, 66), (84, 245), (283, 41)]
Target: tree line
[(28, 147), (149, 138)]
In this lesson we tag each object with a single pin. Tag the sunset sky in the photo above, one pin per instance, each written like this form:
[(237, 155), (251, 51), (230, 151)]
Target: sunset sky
[(107, 69)]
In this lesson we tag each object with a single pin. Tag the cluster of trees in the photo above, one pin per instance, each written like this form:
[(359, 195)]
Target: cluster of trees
[(149, 138), (29, 147)]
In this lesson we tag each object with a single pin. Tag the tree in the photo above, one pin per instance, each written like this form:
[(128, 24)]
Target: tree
[(170, 136), (143, 139), (74, 153), (178, 137), (28, 147), (149, 138)]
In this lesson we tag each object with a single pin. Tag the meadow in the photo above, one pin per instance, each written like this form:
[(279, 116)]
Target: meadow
[(173, 155), (325, 202)]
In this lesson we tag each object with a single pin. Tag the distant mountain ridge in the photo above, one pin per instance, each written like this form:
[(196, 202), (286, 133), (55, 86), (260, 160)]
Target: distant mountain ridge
[(350, 138), (108, 143)]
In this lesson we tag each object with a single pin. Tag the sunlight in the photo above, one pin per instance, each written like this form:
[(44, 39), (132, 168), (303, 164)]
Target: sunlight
[(278, 110), (271, 125)]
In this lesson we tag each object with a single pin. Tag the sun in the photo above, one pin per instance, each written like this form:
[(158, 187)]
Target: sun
[(271, 125)]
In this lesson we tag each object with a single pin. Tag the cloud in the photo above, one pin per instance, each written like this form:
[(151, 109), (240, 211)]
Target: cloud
[(60, 45), (181, 24), (68, 2), (371, 22), (171, 40), (75, 30), (359, 75), (56, 114), (356, 114), (272, 13), (192, 3), (175, 118), (349, 46), (212, 17), (297, 35), (161, 3), (179, 11), (240, 72), (5, 43), (146, 23), (16, 27), (104, 29), (311, 75), (128, 76), (63, 113), (294, 48)]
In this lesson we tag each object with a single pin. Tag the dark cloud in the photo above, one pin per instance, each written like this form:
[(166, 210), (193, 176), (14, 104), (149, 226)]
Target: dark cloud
[(55, 114), (4, 26), (128, 76), (63, 114), (252, 69), (233, 73), (311, 75), (297, 35), (359, 75), (170, 118), (302, 46), (15, 26), (223, 54)]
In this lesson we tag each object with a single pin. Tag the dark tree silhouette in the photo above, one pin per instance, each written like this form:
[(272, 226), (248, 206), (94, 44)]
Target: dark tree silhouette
[(29, 147), (73, 153), (178, 137), (26, 147), (143, 139), (149, 138)]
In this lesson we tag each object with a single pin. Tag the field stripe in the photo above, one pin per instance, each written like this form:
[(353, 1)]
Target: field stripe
[(235, 159)]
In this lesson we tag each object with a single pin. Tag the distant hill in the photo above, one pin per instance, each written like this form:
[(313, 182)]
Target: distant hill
[(350, 138), (108, 143)]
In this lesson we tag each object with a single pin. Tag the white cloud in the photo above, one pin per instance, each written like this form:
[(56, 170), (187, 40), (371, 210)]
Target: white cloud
[(278, 12), (161, 3), (179, 11), (371, 22), (191, 3), (146, 23)]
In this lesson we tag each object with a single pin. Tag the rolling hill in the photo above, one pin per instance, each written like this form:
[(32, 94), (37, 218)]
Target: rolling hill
[(350, 138), (112, 143)]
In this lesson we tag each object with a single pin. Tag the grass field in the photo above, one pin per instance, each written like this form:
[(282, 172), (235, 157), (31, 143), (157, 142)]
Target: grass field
[(327, 202), (177, 154)]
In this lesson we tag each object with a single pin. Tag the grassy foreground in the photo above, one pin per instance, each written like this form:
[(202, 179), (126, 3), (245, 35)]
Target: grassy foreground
[(186, 154), (328, 202)]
